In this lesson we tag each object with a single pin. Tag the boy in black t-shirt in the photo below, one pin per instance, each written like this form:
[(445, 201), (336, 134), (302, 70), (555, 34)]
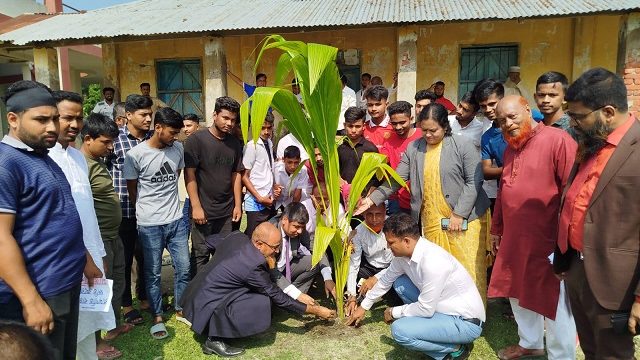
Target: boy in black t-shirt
[(213, 172)]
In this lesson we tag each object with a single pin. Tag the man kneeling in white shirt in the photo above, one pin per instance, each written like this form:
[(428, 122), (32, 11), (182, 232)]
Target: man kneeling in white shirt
[(443, 312)]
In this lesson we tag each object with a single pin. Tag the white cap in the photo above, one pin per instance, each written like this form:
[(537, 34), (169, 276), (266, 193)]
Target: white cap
[(514, 69)]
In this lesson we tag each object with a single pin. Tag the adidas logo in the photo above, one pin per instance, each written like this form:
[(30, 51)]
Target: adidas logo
[(165, 174)]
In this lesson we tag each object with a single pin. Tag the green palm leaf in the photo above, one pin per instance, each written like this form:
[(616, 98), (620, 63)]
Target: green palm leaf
[(321, 90)]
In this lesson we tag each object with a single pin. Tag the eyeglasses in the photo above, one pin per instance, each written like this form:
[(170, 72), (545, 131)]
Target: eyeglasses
[(274, 248), (581, 117)]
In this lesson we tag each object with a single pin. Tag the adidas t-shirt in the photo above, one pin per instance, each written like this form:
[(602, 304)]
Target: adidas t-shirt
[(157, 173)]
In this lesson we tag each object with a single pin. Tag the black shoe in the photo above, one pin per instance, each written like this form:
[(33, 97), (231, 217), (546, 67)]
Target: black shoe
[(220, 348), (461, 354)]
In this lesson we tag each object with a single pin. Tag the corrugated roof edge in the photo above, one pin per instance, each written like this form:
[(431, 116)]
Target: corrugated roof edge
[(27, 36)]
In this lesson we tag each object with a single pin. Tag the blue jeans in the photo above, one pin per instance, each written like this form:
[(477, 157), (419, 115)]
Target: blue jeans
[(155, 239), (436, 336), (186, 217)]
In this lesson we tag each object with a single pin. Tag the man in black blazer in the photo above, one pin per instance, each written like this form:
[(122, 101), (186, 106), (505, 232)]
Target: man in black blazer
[(598, 239), (232, 297)]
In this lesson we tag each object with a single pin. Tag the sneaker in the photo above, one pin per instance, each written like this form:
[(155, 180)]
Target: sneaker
[(462, 353)]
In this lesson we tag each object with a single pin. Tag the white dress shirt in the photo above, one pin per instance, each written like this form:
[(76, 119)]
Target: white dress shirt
[(287, 141), (445, 286), (74, 167), (105, 109), (256, 159), (289, 183), (374, 248), (473, 130), (349, 99)]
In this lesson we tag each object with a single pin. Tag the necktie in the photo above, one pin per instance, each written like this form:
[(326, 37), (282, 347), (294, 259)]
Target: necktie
[(287, 258), (269, 155)]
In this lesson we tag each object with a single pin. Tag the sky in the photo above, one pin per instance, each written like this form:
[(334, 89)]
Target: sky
[(89, 4)]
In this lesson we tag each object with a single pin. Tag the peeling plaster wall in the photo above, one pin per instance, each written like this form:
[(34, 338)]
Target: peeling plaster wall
[(544, 44), (137, 60), (378, 48)]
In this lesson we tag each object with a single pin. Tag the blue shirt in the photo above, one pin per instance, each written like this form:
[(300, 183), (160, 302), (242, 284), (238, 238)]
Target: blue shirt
[(47, 226), (493, 145), (248, 89)]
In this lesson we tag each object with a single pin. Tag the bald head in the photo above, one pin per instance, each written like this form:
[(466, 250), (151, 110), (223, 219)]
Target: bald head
[(511, 102), (265, 232), (514, 117)]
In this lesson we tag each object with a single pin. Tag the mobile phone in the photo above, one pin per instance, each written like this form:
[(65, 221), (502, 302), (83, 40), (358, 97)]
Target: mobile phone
[(619, 323), (444, 224)]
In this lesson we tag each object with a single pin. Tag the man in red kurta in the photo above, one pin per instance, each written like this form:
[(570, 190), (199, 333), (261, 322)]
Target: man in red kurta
[(537, 163)]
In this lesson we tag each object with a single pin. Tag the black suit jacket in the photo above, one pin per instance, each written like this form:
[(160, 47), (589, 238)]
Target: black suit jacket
[(237, 268)]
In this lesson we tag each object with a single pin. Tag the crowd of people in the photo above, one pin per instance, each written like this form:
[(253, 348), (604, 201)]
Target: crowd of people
[(543, 193)]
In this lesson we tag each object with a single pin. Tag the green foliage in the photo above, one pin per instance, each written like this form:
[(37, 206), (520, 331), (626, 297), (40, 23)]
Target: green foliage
[(315, 68), (92, 95)]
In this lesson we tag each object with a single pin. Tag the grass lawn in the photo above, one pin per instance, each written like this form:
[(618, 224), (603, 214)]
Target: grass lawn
[(305, 337), (295, 337)]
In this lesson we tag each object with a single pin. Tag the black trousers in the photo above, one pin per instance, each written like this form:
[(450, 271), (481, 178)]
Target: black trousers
[(200, 253), (65, 321), (255, 218), (132, 248), (366, 271), (593, 322)]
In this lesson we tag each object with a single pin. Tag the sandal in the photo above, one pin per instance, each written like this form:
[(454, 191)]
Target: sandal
[(133, 317), (514, 352), (158, 328), (122, 329), (182, 319), (109, 353)]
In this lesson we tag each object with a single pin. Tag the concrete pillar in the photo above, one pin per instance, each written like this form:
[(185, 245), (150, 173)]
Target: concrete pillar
[(64, 70), (407, 65), (111, 76), (215, 75), (630, 59), (75, 80), (583, 34), (46, 67), (26, 71)]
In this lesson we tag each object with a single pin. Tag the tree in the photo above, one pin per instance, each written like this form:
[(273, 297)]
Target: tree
[(92, 96), (315, 68)]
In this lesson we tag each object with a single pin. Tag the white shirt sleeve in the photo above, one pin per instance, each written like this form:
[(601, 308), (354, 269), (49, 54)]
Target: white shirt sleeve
[(326, 273), (354, 266), (384, 283), (292, 291), (249, 157), (430, 291)]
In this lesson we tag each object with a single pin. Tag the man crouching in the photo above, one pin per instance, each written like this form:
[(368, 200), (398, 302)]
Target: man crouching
[(231, 298), (443, 312)]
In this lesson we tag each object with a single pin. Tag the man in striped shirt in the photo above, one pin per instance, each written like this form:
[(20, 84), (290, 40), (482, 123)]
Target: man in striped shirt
[(138, 112)]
